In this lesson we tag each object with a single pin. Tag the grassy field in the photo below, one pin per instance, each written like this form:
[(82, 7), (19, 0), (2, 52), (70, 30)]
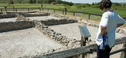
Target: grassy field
[(15, 1), (60, 6), (122, 13)]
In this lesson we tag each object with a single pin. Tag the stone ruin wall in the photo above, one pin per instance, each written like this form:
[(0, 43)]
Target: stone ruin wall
[(7, 26), (30, 14), (21, 18), (7, 14)]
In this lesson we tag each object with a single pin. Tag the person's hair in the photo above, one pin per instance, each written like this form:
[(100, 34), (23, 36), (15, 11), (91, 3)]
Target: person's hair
[(105, 4)]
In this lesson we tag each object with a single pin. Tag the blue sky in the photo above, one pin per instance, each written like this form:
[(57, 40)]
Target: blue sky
[(91, 1)]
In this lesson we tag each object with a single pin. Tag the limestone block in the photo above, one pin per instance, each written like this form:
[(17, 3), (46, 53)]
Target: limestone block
[(121, 31), (89, 24), (117, 30), (70, 44), (58, 33), (51, 51), (124, 31), (66, 17)]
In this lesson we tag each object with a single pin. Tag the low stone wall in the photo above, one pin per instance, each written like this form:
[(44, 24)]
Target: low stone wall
[(7, 26), (58, 37), (58, 21), (34, 14), (7, 15), (59, 16), (52, 34), (21, 17)]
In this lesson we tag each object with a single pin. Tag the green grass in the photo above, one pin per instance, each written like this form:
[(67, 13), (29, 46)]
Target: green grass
[(121, 12), (21, 5), (89, 10), (15, 1)]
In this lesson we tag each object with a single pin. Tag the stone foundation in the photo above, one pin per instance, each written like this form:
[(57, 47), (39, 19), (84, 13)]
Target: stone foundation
[(57, 21), (7, 15), (42, 26), (21, 17), (52, 34), (7, 26), (34, 14)]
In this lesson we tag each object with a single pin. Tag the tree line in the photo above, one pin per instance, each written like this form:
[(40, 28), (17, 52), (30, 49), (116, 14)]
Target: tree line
[(50, 1), (44, 1)]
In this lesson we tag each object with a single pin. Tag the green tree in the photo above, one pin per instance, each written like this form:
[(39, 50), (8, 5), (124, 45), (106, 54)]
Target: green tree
[(11, 2), (34, 1), (67, 3), (70, 4), (116, 4), (50, 1), (31, 1), (93, 3), (58, 1)]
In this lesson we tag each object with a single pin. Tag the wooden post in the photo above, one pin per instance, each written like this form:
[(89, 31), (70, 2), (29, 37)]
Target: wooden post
[(73, 13), (63, 11), (28, 9), (123, 54), (83, 43), (39, 9), (89, 17), (1, 10), (42, 6), (84, 37), (16, 9), (13, 8), (42, 9), (48, 9), (54, 10), (5, 8)]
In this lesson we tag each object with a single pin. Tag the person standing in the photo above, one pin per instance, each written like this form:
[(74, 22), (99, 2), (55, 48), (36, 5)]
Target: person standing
[(106, 33)]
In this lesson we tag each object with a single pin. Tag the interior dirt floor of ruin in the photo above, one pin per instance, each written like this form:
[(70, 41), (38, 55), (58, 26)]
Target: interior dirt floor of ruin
[(30, 42)]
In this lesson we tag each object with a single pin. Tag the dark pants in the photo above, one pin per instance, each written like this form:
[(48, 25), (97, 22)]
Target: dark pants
[(103, 53)]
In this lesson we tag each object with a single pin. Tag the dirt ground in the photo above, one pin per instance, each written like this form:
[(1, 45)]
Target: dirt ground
[(8, 19), (72, 31), (29, 42)]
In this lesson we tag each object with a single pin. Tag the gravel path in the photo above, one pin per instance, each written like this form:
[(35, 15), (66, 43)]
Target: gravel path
[(30, 42)]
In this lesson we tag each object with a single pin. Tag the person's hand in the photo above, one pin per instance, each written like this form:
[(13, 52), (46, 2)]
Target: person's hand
[(104, 33)]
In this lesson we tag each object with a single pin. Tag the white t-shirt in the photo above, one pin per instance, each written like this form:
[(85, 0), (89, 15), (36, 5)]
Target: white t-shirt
[(109, 20)]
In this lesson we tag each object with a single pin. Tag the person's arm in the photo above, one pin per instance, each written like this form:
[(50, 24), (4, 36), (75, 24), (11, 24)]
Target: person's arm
[(103, 31), (120, 21), (118, 25), (104, 24)]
